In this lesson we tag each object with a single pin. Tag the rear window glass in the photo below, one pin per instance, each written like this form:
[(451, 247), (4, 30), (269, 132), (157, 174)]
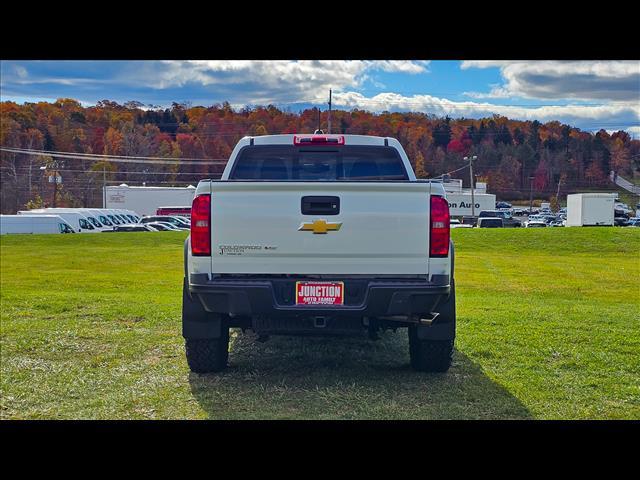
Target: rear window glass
[(284, 162)]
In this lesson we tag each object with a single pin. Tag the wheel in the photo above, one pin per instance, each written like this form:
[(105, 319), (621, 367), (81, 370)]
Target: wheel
[(429, 355), (206, 355)]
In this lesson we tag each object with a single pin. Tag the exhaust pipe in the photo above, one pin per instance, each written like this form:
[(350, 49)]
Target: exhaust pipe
[(428, 321)]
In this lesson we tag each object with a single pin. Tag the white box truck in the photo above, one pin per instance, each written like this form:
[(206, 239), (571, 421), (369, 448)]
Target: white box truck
[(590, 209), (147, 200), (10, 224)]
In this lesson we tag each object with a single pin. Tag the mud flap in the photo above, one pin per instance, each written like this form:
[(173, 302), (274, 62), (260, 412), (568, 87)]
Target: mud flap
[(197, 323), (444, 327)]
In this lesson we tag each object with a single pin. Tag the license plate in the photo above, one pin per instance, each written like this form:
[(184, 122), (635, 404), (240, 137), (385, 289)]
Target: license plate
[(319, 293)]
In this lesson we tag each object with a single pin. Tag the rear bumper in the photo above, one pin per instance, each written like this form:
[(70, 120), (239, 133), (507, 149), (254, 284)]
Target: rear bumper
[(274, 297)]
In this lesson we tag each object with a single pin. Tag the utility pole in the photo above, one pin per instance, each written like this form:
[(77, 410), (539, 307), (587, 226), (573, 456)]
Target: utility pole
[(104, 186), (473, 200), (43, 189), (329, 128), (558, 191), (55, 187), (531, 194)]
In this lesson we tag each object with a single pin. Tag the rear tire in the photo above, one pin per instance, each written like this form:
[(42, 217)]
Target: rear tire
[(206, 355), (429, 355)]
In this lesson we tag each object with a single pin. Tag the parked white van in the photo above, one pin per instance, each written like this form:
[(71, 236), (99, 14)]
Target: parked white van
[(101, 216), (130, 216), (77, 220), (89, 214), (10, 224), (111, 215)]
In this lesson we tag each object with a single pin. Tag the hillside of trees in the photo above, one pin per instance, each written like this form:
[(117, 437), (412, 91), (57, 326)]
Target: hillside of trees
[(509, 151)]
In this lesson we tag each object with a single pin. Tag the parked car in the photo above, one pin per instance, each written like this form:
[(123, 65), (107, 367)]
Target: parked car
[(503, 205), (453, 223), (519, 211), (183, 211), (535, 224), (163, 226), (131, 227), (507, 219), (549, 218), (490, 222), (179, 222), (469, 220)]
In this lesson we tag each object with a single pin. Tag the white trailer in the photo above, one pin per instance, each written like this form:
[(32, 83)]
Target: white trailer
[(590, 209), (146, 200), (460, 203), (10, 224)]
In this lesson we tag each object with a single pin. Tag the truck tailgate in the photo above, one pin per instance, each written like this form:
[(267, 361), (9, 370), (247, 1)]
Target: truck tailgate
[(381, 228)]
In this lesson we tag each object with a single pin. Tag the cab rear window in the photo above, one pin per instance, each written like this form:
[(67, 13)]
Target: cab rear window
[(346, 163)]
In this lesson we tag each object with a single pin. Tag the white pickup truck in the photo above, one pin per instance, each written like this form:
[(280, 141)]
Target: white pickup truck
[(319, 234)]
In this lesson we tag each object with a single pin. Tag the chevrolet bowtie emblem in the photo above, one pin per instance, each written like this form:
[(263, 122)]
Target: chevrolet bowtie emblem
[(319, 226)]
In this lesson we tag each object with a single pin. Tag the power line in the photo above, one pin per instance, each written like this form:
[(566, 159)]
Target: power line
[(113, 159), (24, 169), (101, 155)]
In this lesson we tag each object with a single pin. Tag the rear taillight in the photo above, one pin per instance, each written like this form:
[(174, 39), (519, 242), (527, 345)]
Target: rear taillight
[(201, 226), (439, 228)]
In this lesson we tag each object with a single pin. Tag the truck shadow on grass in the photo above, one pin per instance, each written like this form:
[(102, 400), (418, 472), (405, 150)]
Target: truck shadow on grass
[(346, 378)]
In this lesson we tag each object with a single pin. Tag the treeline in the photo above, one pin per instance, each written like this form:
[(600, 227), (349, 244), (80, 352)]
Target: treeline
[(509, 152)]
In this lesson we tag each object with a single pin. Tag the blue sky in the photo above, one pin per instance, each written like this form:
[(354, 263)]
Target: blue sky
[(588, 94)]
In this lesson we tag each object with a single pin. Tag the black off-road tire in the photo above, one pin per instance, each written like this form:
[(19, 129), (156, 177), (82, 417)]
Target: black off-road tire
[(429, 355), (205, 355)]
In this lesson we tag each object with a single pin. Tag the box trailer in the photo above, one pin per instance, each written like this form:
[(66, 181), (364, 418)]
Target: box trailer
[(460, 203), (10, 224), (147, 200), (590, 209)]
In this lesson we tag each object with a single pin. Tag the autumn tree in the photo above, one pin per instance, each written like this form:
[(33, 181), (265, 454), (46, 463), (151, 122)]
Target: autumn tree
[(509, 151)]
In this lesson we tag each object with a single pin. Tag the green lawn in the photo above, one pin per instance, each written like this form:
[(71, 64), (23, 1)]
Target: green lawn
[(548, 327)]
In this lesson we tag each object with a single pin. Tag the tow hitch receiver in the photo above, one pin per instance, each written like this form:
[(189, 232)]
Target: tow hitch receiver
[(319, 322)]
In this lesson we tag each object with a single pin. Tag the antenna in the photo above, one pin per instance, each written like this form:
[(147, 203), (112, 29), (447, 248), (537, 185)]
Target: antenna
[(329, 128)]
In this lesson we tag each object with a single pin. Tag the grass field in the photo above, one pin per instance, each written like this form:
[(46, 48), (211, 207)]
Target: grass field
[(548, 327)]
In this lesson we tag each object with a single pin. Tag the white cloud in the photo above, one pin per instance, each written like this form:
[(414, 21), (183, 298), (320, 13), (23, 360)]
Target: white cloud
[(587, 116), (304, 80), (496, 92), (402, 66), (584, 80), (20, 71), (634, 132)]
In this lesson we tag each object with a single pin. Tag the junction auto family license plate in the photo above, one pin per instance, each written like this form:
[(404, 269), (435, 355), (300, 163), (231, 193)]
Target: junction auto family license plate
[(319, 293)]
